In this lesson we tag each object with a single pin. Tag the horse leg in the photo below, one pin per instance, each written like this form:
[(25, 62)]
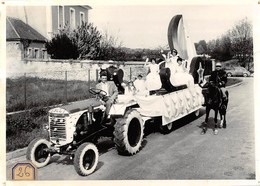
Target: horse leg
[(204, 129), (224, 123), (221, 120), (216, 120)]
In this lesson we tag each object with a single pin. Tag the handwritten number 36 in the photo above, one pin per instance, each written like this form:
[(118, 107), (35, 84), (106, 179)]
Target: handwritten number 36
[(23, 172)]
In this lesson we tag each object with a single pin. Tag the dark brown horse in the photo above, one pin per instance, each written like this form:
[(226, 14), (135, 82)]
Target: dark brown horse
[(216, 102)]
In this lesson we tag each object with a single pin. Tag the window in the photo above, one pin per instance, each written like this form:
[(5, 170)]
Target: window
[(60, 17), (81, 18), (72, 18), (36, 53), (29, 53), (44, 54)]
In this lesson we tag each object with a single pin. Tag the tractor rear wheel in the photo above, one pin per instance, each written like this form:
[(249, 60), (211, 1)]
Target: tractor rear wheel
[(128, 133)]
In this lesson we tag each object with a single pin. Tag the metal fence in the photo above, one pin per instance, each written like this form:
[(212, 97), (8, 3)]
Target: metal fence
[(42, 89)]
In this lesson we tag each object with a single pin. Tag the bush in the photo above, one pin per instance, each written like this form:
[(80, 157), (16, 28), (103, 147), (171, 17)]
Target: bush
[(22, 128), (25, 121), (62, 47)]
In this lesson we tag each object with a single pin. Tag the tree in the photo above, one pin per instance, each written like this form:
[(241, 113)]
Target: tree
[(88, 39), (62, 47), (225, 48), (110, 48), (80, 43), (242, 40)]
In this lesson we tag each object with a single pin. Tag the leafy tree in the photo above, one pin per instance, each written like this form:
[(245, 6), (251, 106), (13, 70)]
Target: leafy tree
[(225, 48)]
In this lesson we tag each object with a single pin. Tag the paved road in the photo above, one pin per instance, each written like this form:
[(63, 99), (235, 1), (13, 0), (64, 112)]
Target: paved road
[(182, 154)]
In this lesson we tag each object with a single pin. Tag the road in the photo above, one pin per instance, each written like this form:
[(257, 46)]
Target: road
[(182, 154)]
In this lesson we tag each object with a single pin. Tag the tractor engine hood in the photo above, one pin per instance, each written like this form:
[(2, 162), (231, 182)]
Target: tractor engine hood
[(76, 106)]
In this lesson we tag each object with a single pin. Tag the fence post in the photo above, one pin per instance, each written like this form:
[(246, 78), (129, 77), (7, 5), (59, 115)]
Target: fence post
[(130, 76), (66, 98), (89, 78), (25, 95), (96, 75)]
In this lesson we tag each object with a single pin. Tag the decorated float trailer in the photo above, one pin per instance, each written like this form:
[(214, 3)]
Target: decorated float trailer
[(74, 128)]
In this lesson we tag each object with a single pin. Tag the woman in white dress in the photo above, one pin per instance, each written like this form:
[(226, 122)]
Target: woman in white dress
[(153, 81)]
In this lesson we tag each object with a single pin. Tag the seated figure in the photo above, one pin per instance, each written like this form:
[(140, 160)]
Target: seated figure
[(140, 87), (178, 73), (181, 76)]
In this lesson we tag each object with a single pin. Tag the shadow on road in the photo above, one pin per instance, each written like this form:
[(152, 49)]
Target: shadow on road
[(105, 144)]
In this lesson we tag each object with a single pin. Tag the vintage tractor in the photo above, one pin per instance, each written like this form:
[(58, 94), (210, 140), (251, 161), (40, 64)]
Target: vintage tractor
[(75, 127)]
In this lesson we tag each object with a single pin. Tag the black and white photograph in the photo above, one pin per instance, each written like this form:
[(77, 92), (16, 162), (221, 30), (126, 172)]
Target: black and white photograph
[(130, 91)]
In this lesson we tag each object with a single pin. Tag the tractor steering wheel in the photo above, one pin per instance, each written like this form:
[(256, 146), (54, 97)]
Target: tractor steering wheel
[(100, 93)]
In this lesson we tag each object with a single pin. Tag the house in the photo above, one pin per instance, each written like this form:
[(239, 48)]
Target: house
[(47, 20), (23, 41)]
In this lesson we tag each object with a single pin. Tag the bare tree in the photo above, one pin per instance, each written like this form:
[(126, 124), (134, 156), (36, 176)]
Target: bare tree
[(241, 37), (110, 47), (88, 40)]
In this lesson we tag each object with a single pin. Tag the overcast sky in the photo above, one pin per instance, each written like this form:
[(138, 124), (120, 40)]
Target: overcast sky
[(145, 26)]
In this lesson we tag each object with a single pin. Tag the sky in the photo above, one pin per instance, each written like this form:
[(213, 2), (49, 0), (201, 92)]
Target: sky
[(146, 26)]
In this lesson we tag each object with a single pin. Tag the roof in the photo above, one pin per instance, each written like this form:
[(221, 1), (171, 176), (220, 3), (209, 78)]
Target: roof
[(87, 7), (16, 29)]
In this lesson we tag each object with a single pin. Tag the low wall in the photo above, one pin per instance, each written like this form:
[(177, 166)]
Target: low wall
[(76, 70)]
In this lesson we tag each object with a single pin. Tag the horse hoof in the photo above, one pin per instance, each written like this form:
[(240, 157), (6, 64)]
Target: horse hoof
[(215, 132), (224, 126), (220, 126), (203, 132)]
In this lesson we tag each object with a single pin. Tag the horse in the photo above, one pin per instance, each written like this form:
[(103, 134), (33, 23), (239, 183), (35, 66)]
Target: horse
[(216, 102)]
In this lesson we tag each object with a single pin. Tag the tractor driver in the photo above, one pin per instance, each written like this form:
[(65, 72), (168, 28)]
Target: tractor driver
[(110, 88)]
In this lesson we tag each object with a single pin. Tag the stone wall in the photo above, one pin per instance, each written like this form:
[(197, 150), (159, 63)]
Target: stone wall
[(76, 70)]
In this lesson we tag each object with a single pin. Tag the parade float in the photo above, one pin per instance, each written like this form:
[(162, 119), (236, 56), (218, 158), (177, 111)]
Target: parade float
[(74, 128)]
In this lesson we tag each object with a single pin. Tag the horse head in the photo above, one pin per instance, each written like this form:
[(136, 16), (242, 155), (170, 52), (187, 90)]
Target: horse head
[(214, 94)]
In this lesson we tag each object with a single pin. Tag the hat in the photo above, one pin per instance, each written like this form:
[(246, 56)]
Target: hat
[(218, 64), (103, 73), (179, 59)]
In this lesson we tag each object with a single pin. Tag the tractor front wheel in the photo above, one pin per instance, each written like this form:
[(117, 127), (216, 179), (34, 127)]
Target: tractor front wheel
[(37, 152), (86, 159)]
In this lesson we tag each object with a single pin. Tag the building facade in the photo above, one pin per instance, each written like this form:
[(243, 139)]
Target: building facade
[(23, 41), (44, 22), (47, 20)]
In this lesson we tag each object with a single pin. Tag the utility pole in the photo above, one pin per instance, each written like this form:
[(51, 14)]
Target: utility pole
[(25, 13)]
